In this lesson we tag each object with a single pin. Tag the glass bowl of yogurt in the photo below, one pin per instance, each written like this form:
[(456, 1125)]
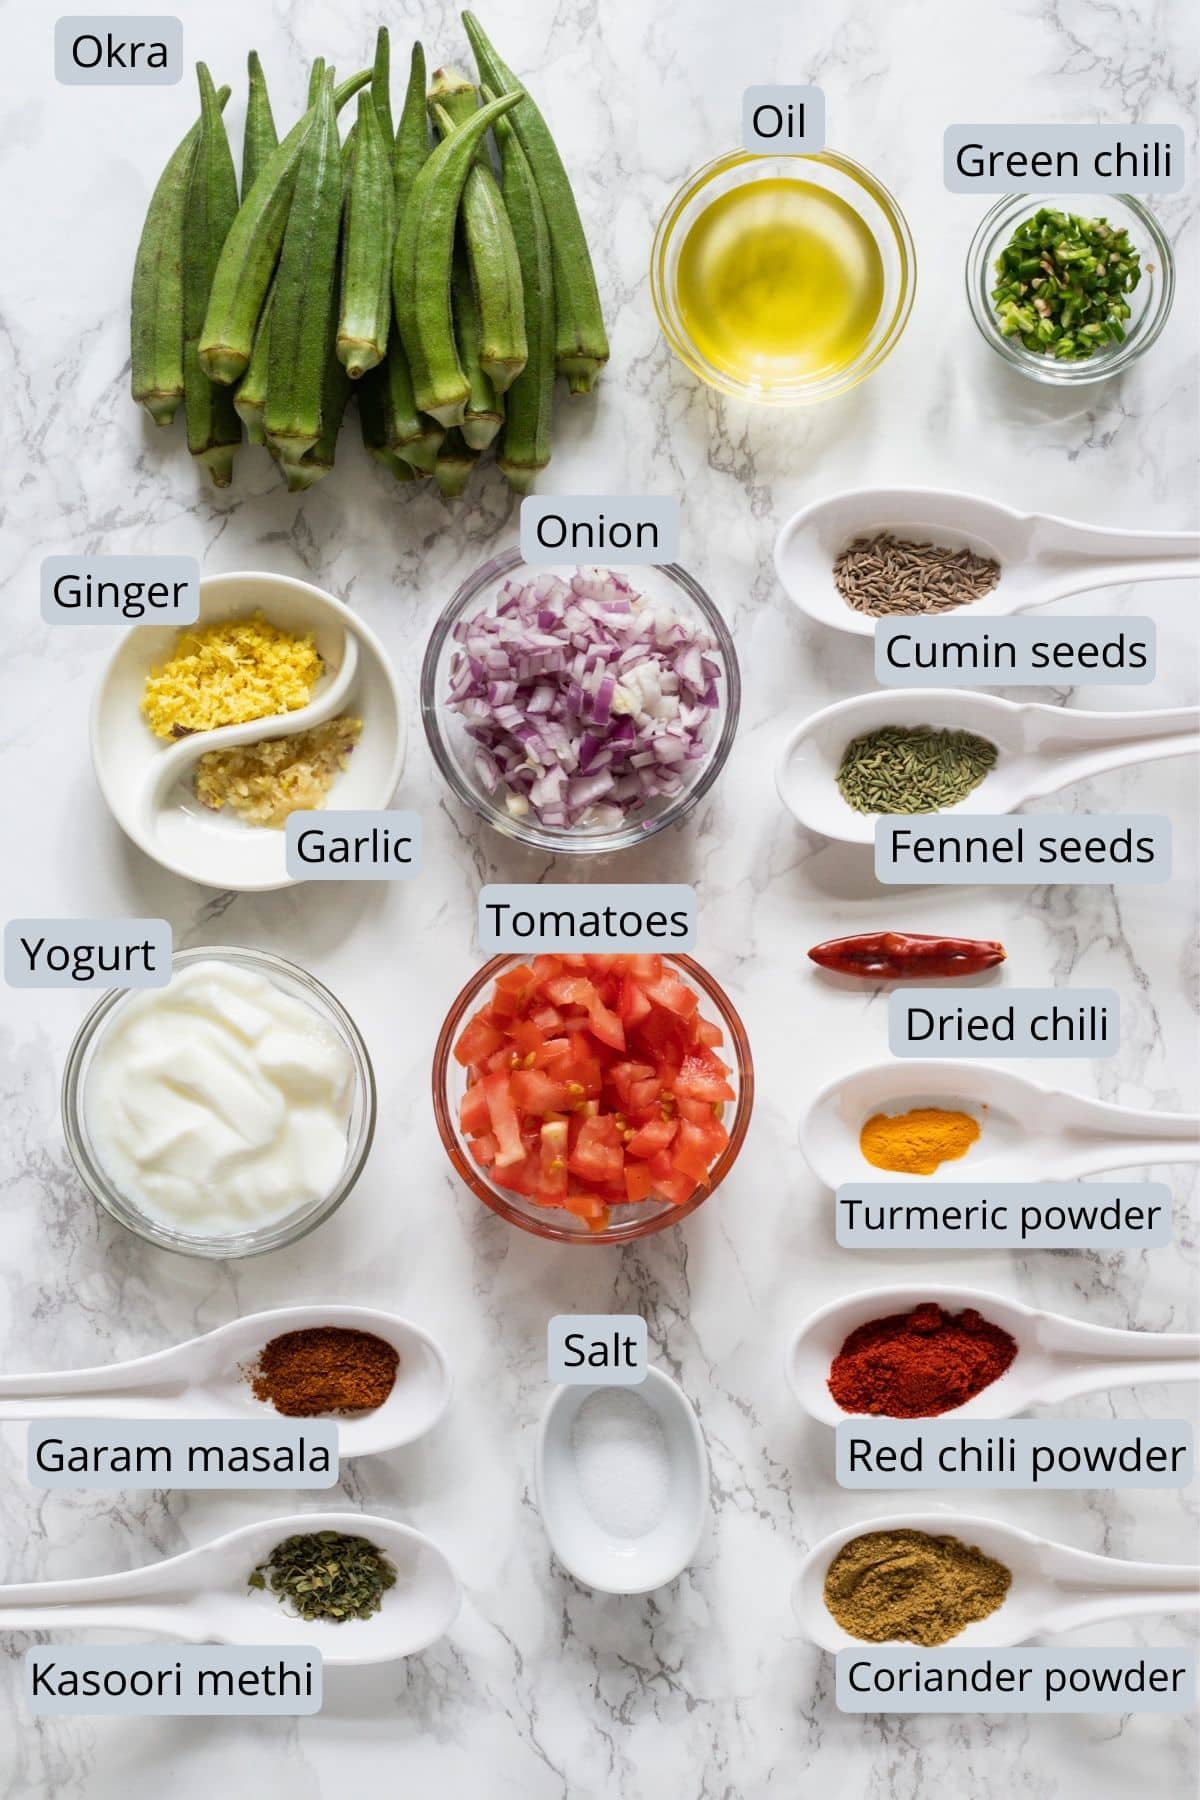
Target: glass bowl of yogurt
[(225, 1114)]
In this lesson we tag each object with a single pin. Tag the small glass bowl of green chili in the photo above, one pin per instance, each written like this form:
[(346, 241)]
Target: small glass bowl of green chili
[(1070, 288)]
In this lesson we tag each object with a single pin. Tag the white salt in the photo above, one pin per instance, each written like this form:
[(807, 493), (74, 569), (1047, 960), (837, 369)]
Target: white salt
[(622, 1462)]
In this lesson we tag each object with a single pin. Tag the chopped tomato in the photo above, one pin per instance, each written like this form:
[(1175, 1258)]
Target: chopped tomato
[(651, 1138), (702, 1077), (503, 1114), (634, 1004), (597, 1153), (672, 993), (477, 1041), (473, 1112), (533, 1091), (639, 1182), (593, 1082)]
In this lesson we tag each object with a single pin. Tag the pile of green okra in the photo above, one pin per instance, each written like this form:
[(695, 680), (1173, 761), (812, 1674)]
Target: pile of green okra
[(444, 296)]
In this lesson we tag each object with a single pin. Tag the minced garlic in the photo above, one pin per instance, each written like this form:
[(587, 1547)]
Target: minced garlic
[(229, 672), (265, 782)]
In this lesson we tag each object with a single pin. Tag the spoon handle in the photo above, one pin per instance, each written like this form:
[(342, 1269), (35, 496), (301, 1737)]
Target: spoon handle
[(1088, 744), (1092, 1588), (112, 1404), (1080, 557), (1135, 1151), (1097, 1376), (162, 1369), (33, 1615)]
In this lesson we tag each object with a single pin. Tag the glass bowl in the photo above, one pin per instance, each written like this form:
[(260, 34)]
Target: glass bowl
[(273, 1236), (1150, 300), (849, 182), (453, 749), (556, 1223)]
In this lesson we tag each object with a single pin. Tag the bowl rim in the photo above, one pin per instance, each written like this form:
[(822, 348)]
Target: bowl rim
[(1007, 212), (656, 1378), (350, 622), (854, 372), (627, 1231), (282, 1232), (549, 839)]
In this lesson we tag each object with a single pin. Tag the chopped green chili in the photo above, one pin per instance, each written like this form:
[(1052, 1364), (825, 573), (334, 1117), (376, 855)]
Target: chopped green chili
[(1062, 284)]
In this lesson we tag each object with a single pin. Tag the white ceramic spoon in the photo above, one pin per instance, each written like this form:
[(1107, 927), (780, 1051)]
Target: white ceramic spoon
[(1042, 749), (1029, 1131), (1057, 1358), (1042, 557), (1054, 1587), (602, 1559), (174, 764), (203, 1378), (202, 1596)]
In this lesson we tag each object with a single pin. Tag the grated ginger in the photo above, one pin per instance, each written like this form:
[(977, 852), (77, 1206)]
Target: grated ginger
[(265, 782), (229, 672)]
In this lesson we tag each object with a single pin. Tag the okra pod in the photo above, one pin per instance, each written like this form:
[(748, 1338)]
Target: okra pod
[(317, 462), (368, 235), (252, 249), (421, 272), (381, 87), (260, 136), (412, 133), (581, 343), (368, 392), (214, 429), (156, 311), (412, 436), (524, 449), (404, 432), (303, 312), (484, 413), (250, 395), (316, 81), (495, 265), (455, 463)]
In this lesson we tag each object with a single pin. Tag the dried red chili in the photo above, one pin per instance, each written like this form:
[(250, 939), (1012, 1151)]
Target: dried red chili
[(325, 1369), (906, 955), (916, 1364)]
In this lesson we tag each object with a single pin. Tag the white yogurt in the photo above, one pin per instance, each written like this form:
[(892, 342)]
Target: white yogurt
[(220, 1103)]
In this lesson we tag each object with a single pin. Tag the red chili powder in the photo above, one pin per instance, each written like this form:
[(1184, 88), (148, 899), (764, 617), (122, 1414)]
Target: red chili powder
[(915, 1364)]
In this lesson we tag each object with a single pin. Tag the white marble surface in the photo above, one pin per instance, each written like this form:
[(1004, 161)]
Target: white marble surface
[(543, 1689)]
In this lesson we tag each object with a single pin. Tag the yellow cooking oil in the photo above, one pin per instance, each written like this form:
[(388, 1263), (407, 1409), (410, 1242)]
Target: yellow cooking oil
[(779, 280)]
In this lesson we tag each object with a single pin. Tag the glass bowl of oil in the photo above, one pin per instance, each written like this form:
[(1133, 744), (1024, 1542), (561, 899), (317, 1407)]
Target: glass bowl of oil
[(783, 279)]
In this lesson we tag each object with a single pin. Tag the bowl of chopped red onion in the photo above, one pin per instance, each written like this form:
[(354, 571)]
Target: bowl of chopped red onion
[(580, 710)]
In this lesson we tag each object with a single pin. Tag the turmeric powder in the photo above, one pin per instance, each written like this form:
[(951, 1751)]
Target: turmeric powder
[(917, 1142)]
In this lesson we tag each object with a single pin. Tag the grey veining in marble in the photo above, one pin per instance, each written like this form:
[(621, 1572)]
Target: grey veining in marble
[(545, 1691)]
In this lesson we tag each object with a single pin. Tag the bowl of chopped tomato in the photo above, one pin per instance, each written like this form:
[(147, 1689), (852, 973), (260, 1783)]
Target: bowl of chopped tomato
[(592, 1099)]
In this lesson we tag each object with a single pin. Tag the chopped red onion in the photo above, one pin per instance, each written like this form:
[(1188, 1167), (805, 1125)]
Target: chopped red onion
[(585, 700)]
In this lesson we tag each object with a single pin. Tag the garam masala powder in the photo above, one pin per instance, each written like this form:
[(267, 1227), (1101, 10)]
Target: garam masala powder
[(326, 1369)]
